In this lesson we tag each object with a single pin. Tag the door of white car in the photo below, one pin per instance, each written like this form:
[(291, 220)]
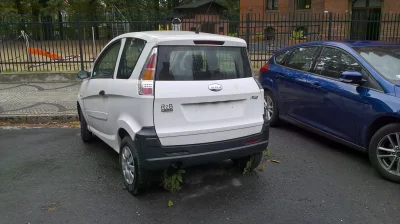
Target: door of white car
[(95, 98), (205, 94)]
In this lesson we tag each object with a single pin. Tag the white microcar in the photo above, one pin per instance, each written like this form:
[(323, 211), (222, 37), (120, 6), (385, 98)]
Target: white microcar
[(173, 98)]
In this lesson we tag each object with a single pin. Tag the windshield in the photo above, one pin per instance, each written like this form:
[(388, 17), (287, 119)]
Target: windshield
[(385, 59), (187, 63)]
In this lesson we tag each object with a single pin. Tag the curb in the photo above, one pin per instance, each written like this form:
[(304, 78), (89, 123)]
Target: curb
[(37, 119), (39, 77), (31, 77)]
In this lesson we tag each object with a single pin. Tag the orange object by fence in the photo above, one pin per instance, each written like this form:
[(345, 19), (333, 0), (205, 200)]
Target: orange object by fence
[(44, 53)]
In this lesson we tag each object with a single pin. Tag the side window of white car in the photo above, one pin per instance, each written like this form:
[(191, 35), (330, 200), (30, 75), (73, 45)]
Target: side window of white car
[(130, 55), (105, 66)]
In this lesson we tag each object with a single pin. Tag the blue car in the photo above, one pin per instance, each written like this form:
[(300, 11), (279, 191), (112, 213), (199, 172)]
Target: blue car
[(346, 91)]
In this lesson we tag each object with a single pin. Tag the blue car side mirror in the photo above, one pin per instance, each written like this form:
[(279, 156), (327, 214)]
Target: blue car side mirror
[(351, 77)]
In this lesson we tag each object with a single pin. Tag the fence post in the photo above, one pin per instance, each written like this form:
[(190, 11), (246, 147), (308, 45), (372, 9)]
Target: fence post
[(247, 29), (80, 46), (237, 28), (330, 27)]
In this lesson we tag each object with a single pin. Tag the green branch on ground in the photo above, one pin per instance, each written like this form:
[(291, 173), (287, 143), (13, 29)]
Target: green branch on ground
[(266, 152), (248, 165), (173, 183)]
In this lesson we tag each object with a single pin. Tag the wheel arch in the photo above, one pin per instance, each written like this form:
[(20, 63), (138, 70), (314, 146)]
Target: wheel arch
[(377, 124), (126, 127), (78, 107), (79, 104), (275, 95), (269, 85)]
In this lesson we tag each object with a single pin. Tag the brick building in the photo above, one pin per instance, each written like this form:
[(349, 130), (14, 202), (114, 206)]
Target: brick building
[(318, 6), (326, 19), (208, 13)]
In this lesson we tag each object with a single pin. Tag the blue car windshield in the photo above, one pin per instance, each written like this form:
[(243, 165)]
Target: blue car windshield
[(385, 59)]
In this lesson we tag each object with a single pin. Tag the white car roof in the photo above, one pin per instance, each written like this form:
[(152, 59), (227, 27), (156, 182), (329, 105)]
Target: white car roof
[(182, 38)]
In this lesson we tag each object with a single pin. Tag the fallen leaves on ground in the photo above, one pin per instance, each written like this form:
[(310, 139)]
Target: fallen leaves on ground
[(73, 124), (261, 167), (170, 203), (52, 208), (273, 161)]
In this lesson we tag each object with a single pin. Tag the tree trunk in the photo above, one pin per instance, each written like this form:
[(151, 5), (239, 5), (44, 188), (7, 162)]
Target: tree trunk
[(18, 6)]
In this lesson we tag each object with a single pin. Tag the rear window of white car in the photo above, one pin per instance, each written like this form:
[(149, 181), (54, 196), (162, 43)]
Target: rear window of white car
[(187, 63)]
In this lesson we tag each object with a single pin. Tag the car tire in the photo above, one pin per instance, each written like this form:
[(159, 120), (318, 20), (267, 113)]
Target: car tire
[(86, 135), (269, 98), (385, 159), (130, 164), (242, 162)]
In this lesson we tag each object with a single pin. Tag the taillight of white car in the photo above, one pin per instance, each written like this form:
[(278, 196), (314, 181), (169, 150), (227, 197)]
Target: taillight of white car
[(146, 79)]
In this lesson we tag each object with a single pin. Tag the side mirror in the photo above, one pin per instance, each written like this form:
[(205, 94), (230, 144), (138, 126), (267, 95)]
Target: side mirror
[(83, 74), (351, 77)]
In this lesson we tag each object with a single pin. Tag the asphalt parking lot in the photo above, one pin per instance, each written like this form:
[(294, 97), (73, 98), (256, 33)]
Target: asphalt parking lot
[(50, 176)]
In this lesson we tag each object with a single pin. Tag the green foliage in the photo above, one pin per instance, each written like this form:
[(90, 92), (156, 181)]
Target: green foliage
[(170, 203), (173, 183), (139, 14), (91, 6), (258, 35), (55, 5), (298, 34), (232, 34), (267, 152), (248, 165), (7, 6)]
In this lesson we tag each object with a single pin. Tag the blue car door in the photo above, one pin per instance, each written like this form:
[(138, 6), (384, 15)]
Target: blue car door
[(293, 83), (338, 106)]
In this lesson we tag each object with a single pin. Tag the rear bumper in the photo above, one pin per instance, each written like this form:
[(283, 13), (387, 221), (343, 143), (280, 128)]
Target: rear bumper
[(154, 156)]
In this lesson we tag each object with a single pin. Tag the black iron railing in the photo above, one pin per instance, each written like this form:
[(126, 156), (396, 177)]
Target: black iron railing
[(71, 43)]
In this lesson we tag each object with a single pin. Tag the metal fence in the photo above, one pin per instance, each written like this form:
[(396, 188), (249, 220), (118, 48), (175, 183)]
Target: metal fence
[(71, 43)]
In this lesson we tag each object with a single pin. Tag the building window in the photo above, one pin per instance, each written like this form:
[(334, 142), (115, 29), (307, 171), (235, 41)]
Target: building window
[(271, 4), (367, 4), (374, 3), (303, 4), (360, 4)]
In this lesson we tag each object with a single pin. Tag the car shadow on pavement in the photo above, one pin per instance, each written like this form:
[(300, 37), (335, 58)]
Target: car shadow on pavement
[(325, 143), (197, 181)]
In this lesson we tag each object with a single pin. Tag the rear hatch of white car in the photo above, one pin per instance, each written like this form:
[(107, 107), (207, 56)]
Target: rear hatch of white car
[(204, 93)]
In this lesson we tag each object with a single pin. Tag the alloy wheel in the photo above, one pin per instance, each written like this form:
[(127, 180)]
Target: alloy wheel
[(269, 107), (388, 153), (128, 165)]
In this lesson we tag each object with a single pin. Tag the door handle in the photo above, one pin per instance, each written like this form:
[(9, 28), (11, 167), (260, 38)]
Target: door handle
[(102, 93)]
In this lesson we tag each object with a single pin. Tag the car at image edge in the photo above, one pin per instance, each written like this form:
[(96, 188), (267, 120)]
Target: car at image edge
[(347, 91), (173, 98)]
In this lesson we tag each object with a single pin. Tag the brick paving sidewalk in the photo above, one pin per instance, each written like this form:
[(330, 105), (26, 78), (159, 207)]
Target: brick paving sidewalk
[(38, 99)]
